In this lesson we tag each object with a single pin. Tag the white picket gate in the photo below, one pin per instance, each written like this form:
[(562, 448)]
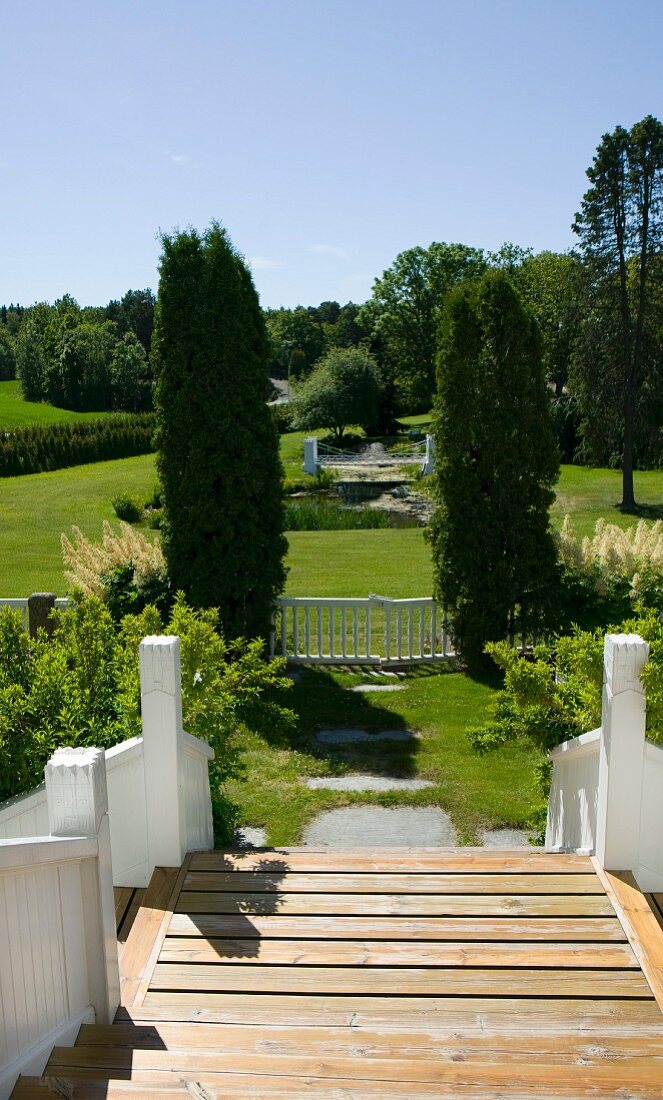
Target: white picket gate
[(374, 630)]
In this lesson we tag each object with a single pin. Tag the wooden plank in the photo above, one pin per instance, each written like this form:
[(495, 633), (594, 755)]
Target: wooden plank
[(572, 929), (284, 1087), (135, 953), (636, 1073), (182, 950), (384, 904), (122, 895), (386, 1042), (390, 860), (370, 883), (137, 896), (143, 984), (510, 1014), (399, 982), (641, 926)]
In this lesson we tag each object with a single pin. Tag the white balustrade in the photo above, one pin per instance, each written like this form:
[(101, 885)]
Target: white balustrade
[(58, 963), (607, 786), (372, 630)]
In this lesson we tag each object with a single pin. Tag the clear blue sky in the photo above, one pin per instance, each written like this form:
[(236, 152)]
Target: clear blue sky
[(326, 135)]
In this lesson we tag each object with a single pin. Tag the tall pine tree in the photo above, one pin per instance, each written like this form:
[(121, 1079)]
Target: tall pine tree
[(218, 449), (494, 558)]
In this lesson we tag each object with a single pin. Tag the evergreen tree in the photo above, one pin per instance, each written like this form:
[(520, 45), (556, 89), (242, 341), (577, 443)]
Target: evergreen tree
[(218, 448), (494, 558)]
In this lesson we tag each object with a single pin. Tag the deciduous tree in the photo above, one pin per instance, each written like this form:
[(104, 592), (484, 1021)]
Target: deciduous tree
[(620, 225)]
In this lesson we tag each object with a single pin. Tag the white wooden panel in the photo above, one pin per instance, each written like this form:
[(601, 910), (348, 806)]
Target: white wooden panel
[(198, 804), (649, 872), (125, 777), (25, 815), (572, 803)]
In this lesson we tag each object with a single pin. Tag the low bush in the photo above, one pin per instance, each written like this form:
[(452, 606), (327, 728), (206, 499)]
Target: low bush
[(82, 687), (127, 507), (41, 447)]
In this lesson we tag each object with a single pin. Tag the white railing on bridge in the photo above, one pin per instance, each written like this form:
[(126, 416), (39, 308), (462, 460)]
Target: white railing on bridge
[(606, 794), (373, 630), (317, 455)]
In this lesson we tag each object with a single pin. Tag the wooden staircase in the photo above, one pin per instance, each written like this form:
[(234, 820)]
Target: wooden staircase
[(382, 974)]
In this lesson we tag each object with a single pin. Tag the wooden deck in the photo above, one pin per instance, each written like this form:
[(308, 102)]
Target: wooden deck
[(382, 974)]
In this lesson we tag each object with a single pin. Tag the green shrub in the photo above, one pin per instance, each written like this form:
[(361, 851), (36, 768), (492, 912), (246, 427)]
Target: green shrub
[(127, 507), (83, 688), (41, 447)]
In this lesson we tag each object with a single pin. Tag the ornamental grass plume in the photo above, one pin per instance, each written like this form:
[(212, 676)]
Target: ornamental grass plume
[(88, 563), (633, 556)]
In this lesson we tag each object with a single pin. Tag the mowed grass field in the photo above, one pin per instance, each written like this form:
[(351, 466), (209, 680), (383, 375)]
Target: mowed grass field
[(17, 413), (37, 508)]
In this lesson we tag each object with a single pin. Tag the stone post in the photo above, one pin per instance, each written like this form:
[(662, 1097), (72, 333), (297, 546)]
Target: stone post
[(311, 455), (78, 806), (40, 605), (163, 751), (621, 752)]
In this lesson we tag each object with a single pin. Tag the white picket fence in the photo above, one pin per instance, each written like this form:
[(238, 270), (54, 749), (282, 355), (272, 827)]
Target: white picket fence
[(606, 794), (374, 630)]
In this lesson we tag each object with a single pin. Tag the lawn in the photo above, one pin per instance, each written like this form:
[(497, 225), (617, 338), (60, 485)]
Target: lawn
[(478, 792), (589, 494), (17, 413)]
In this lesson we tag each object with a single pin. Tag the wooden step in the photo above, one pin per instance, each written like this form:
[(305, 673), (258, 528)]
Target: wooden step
[(385, 860), (368, 882)]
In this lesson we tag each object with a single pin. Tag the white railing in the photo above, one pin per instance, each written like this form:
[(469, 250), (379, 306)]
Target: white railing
[(58, 961), (375, 630), (158, 784), (318, 455), (606, 794)]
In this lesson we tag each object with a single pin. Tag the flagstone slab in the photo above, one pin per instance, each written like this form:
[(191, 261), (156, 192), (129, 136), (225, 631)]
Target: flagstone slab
[(366, 783), (361, 737), (380, 827)]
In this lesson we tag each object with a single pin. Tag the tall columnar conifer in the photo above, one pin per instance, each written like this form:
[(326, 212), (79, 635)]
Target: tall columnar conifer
[(494, 558), (218, 449)]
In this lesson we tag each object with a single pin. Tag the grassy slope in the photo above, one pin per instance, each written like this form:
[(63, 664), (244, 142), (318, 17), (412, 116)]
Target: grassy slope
[(589, 494), (36, 508), (17, 413)]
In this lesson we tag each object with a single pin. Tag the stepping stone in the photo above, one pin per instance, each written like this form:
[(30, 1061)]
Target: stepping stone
[(366, 783), (505, 838), (360, 737), (379, 827), (294, 676), (378, 687), (249, 836)]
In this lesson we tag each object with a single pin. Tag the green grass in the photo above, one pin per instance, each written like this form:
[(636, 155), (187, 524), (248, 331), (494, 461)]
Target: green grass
[(589, 494), (353, 563), (17, 413), (37, 508), (478, 792)]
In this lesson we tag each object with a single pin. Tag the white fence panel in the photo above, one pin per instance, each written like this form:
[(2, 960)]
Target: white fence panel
[(197, 798), (573, 797), (365, 630), (125, 776), (43, 970), (24, 815), (649, 871)]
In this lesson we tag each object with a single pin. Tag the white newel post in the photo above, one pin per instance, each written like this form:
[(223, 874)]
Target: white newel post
[(78, 806), (621, 753), (429, 459), (163, 751), (311, 455)]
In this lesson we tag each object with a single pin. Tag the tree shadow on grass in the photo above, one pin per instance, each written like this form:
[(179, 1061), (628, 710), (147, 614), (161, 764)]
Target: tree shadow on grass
[(322, 703)]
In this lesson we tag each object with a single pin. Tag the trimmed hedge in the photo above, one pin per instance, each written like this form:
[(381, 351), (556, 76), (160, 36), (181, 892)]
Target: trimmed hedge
[(40, 447)]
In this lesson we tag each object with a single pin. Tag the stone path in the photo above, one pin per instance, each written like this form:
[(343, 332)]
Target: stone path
[(366, 783), (378, 827), (378, 687), (361, 737)]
